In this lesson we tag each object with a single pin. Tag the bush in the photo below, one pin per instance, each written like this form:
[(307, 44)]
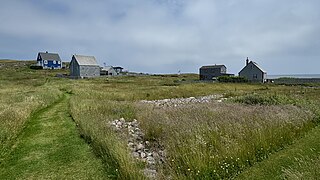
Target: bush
[(232, 79), (257, 99)]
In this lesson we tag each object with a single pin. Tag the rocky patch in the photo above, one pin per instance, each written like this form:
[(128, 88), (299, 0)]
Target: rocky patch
[(150, 153), (182, 101)]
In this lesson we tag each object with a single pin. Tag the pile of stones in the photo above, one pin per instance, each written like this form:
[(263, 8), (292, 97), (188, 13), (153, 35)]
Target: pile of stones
[(182, 101), (139, 148)]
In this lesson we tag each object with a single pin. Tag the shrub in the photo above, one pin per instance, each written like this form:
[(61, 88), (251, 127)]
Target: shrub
[(257, 99), (232, 79)]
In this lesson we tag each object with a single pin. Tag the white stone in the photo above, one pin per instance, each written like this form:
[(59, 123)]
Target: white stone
[(135, 154), (140, 146), (143, 155), (151, 160)]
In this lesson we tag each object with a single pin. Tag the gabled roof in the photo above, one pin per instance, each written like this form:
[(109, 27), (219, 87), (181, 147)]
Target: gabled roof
[(255, 64), (86, 60), (107, 68), (117, 67), (49, 56), (212, 66)]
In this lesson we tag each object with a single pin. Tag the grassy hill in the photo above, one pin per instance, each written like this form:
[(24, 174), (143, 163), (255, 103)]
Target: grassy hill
[(256, 127)]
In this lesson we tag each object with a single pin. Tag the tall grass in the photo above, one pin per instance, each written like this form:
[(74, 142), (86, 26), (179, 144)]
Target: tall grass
[(17, 103), (213, 141), (92, 117), (202, 141), (22, 92), (304, 168)]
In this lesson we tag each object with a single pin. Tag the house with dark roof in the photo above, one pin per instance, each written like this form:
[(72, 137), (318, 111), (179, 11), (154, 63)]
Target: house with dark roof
[(212, 72), (108, 71), (49, 60), (118, 69), (253, 72), (84, 67)]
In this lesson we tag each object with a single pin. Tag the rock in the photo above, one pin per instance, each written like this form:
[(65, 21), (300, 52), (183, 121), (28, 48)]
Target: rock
[(151, 173), (143, 155), (140, 146), (130, 144), (162, 153), (136, 154), (151, 160), (155, 155), (146, 150)]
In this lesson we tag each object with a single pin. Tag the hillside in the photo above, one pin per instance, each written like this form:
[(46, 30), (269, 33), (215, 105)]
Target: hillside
[(158, 127)]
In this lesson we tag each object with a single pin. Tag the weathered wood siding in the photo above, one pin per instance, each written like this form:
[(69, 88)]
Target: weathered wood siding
[(74, 68), (83, 71), (253, 73), (210, 73)]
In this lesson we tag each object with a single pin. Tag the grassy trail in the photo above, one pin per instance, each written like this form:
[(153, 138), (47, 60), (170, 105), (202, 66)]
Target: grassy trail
[(298, 161), (50, 148)]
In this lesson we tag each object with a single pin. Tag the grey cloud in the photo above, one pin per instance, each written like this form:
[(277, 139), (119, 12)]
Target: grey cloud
[(162, 36)]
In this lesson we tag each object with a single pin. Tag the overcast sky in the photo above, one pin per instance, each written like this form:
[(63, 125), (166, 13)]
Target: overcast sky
[(164, 36)]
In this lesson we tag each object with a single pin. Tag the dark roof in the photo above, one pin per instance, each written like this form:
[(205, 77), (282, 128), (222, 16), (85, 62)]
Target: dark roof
[(212, 66), (118, 67), (49, 56), (255, 64)]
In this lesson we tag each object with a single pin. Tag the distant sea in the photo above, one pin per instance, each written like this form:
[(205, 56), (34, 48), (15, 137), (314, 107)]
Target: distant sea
[(308, 76)]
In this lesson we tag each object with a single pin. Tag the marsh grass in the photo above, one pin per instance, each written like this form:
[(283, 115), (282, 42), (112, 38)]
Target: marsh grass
[(202, 141), (216, 141)]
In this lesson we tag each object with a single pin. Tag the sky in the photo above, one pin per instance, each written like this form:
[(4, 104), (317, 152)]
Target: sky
[(167, 36)]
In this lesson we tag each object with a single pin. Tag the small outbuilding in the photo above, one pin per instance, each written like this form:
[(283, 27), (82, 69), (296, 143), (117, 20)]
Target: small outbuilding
[(118, 69), (84, 67), (212, 72), (49, 60), (253, 72), (108, 71)]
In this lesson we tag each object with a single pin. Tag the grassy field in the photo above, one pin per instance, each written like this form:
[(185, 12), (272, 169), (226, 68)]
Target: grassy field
[(257, 127)]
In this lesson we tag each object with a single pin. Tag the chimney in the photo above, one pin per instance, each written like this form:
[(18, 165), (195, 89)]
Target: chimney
[(247, 61)]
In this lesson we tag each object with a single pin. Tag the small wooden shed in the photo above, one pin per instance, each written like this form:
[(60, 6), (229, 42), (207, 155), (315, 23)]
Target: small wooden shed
[(84, 67)]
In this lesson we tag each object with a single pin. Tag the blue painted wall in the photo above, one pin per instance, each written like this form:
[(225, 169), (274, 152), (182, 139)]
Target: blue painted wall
[(52, 65)]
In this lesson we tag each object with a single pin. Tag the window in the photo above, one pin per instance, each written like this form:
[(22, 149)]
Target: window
[(54, 62), (59, 62), (255, 76), (45, 62)]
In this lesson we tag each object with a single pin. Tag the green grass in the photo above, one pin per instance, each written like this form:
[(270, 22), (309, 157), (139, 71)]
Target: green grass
[(298, 161), (50, 148), (203, 141), (217, 140)]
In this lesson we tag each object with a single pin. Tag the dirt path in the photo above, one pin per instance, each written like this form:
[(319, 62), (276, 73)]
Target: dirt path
[(50, 148)]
